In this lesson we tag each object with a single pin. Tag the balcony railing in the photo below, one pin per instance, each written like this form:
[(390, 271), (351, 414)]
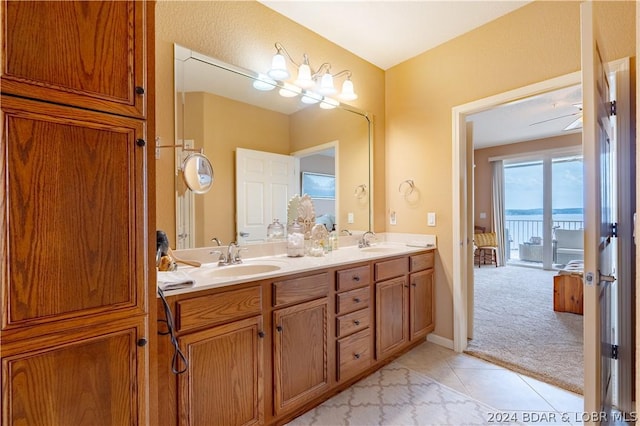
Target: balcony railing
[(519, 231)]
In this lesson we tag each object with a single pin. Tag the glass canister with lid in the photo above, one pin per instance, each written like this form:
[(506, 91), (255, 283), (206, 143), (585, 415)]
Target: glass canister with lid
[(275, 231), (295, 240)]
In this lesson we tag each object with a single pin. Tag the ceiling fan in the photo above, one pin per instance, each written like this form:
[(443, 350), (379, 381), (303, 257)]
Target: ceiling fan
[(576, 124)]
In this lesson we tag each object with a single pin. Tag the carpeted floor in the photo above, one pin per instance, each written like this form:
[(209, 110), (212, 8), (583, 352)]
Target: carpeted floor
[(515, 326)]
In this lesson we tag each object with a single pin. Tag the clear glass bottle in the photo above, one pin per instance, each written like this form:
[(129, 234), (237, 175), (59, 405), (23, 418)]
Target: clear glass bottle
[(295, 240)]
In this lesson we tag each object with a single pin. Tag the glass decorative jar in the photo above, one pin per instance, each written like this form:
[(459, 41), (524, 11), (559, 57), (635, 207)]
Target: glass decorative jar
[(295, 240)]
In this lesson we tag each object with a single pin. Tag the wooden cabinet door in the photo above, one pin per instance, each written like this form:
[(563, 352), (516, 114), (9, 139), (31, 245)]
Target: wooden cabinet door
[(300, 353), (224, 382), (392, 327), (89, 54), (72, 217), (421, 308), (90, 378)]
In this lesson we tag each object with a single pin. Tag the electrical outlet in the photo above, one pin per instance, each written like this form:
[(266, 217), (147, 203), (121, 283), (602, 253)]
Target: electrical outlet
[(392, 218), (483, 215), (431, 219), (350, 218)]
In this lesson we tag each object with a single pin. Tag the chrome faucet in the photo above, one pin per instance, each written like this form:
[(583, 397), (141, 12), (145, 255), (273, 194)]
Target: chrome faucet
[(346, 231), (233, 255), (217, 241), (364, 241)]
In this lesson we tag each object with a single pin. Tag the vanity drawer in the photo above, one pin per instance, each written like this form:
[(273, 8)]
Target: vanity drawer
[(391, 268), (348, 279), (352, 300), (419, 262), (354, 354), (218, 308), (300, 289), (350, 323)]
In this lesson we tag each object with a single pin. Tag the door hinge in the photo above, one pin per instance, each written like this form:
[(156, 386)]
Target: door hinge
[(614, 351), (612, 108), (614, 229)]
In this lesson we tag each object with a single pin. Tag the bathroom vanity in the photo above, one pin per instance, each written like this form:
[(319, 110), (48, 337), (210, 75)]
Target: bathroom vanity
[(264, 348)]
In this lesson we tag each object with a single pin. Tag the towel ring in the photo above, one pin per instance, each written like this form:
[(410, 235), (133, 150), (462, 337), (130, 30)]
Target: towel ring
[(361, 191), (409, 182)]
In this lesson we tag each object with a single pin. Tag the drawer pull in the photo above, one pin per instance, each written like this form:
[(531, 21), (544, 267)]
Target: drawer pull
[(413, 285), (261, 334), (356, 322), (356, 356), (356, 278), (356, 299), (279, 328), (142, 342)]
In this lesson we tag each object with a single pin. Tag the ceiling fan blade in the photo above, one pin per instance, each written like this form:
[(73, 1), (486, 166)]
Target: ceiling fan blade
[(555, 118), (577, 124)]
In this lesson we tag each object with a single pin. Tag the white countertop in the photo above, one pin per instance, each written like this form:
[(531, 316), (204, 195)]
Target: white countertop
[(205, 277)]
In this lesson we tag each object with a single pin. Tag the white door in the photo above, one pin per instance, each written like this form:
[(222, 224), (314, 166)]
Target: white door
[(264, 184), (598, 142)]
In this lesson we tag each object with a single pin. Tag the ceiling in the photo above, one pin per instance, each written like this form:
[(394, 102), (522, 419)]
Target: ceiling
[(387, 33)]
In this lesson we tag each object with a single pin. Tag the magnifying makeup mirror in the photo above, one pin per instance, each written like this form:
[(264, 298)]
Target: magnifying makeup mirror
[(197, 173)]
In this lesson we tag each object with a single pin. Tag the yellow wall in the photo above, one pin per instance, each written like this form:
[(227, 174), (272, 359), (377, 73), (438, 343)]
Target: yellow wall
[(482, 176), (243, 33), (534, 43), (411, 103)]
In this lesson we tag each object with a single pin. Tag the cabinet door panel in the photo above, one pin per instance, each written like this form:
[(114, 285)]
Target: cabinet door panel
[(89, 382), (300, 353), (421, 303), (75, 222), (224, 383), (86, 54), (391, 316)]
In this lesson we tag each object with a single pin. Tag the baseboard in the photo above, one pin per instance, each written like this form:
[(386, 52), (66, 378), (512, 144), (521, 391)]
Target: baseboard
[(442, 341)]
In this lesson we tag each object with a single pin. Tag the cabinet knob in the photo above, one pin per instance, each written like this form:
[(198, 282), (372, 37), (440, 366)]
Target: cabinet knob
[(279, 328), (356, 299), (261, 334), (139, 90), (141, 142), (356, 322), (142, 342), (356, 356), (414, 285), (356, 277)]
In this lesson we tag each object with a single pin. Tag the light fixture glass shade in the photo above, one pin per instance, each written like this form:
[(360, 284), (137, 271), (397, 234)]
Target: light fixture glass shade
[(290, 90), (329, 103), (326, 85), (264, 83), (311, 97), (304, 77), (347, 93), (278, 69)]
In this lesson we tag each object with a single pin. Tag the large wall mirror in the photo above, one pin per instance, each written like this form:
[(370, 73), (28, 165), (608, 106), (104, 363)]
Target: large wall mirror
[(264, 147)]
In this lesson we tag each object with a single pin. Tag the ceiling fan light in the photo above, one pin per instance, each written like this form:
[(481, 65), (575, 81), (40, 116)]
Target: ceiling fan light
[(348, 93), (304, 79), (289, 90), (326, 85), (264, 83), (278, 69)]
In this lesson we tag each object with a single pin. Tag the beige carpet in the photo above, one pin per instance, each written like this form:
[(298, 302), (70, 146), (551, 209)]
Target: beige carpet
[(516, 327)]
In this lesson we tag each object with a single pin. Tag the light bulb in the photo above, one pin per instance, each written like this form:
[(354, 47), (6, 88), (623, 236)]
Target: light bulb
[(290, 90), (347, 91), (264, 83), (304, 77), (329, 103), (311, 97), (278, 69), (326, 85)]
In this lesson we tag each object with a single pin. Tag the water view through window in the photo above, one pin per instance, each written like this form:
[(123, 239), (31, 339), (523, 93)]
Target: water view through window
[(524, 207)]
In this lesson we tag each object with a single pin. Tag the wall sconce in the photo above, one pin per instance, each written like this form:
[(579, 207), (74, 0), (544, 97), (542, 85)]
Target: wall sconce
[(314, 85)]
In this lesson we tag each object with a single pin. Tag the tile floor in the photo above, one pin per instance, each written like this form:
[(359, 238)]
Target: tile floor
[(517, 396)]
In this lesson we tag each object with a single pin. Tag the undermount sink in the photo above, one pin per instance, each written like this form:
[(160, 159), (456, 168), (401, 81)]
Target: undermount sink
[(241, 270)]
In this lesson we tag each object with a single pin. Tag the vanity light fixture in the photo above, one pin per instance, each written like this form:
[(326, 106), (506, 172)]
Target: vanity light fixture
[(317, 83)]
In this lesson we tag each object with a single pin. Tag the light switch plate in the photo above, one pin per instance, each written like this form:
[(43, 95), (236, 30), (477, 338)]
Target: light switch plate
[(350, 217), (431, 219), (483, 215), (392, 218)]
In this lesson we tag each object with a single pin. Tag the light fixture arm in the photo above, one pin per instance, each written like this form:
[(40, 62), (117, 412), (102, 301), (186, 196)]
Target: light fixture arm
[(281, 49)]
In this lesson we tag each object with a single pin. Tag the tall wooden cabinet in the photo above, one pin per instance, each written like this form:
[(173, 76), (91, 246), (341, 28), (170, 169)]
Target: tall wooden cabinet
[(76, 214)]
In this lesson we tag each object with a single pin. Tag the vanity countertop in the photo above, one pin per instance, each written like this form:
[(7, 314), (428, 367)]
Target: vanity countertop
[(210, 275)]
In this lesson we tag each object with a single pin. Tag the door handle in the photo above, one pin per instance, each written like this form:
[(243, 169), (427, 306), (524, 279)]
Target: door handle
[(607, 278)]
